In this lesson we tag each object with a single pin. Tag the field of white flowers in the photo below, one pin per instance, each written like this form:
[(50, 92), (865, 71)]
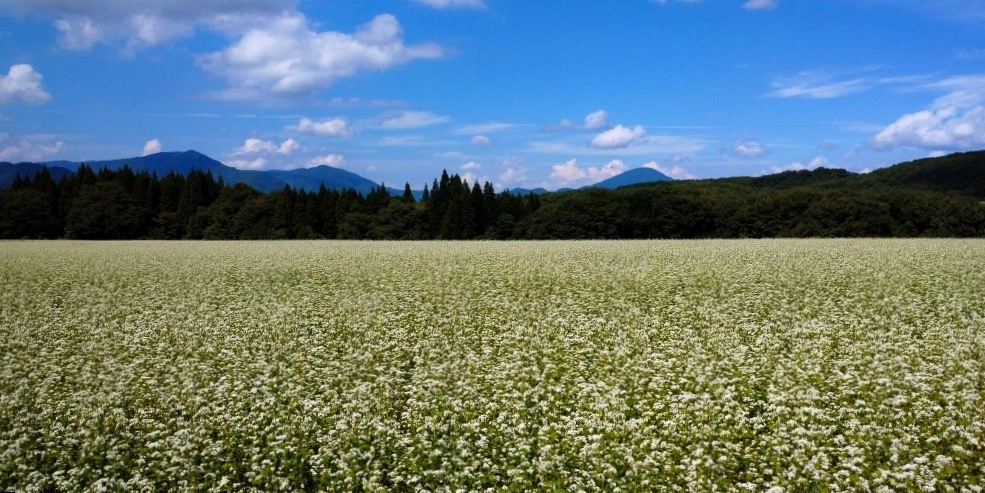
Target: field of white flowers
[(817, 365)]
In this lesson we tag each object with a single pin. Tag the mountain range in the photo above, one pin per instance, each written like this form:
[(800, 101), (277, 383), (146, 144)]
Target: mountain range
[(309, 179)]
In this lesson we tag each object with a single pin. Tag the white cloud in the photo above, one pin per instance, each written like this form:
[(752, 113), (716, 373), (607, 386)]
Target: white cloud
[(472, 178), (676, 172), (152, 146), (815, 163), (22, 83), (258, 146), (79, 33), (255, 146), (955, 120), (447, 4), (85, 23), (749, 149), (612, 168), (962, 91), (254, 164), (484, 128), (285, 58), (333, 160), (471, 166), (565, 123), (618, 137), (412, 119), (945, 128), (332, 127), (36, 148), (512, 171), (759, 4), (596, 120), (481, 141), (817, 85), (288, 147), (567, 171)]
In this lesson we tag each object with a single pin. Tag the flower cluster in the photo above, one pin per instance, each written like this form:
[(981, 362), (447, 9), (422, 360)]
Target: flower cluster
[(775, 365)]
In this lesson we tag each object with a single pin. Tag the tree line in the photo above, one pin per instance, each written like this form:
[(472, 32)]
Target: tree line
[(122, 204)]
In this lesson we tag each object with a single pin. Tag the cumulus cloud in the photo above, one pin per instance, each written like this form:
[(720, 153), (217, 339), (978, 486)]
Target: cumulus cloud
[(258, 146), (481, 141), (815, 163), (255, 146), (333, 160), (596, 120), (471, 166), (249, 164), (22, 83), (152, 146), (285, 58), (288, 147), (759, 4), (612, 168), (944, 128), (512, 171), (448, 4), (955, 121), (749, 149), (676, 171), (569, 171), (28, 149), (412, 119), (332, 127), (618, 137)]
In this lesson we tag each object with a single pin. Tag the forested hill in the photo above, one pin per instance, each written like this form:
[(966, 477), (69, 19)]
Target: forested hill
[(930, 197)]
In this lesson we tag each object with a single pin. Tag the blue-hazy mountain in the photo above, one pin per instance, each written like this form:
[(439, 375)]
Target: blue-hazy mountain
[(632, 177), (309, 179), (9, 171)]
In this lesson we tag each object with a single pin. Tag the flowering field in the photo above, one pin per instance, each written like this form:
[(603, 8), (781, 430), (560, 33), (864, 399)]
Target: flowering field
[(817, 365)]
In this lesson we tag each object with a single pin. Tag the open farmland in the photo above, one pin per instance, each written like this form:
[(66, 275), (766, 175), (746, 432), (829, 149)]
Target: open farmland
[(801, 365)]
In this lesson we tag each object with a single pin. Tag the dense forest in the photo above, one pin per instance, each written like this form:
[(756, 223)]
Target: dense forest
[(941, 197)]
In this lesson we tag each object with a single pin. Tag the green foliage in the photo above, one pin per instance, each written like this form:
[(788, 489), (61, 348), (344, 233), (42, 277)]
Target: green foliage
[(941, 197)]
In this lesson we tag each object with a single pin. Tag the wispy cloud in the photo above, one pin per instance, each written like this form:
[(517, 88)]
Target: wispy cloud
[(330, 127), (760, 4), (412, 119), (485, 128), (749, 149), (817, 85), (30, 148), (452, 4)]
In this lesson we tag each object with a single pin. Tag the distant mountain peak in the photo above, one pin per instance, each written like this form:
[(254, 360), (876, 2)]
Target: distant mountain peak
[(634, 176)]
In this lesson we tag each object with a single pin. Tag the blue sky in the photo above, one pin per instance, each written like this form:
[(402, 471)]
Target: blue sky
[(548, 93)]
